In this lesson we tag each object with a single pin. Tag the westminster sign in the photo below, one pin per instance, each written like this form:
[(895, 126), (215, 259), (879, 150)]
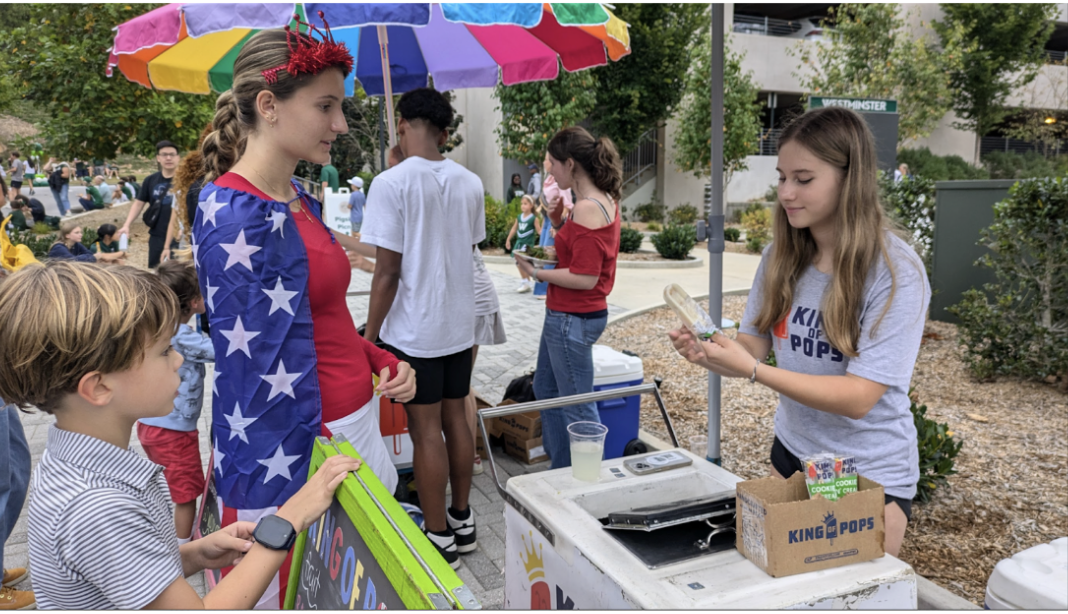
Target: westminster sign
[(861, 105)]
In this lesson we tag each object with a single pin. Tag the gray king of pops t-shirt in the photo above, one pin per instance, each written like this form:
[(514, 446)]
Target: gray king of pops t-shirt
[(883, 441)]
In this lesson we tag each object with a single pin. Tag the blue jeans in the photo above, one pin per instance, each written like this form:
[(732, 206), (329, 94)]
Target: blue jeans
[(565, 367), (62, 199), (88, 204), (14, 471)]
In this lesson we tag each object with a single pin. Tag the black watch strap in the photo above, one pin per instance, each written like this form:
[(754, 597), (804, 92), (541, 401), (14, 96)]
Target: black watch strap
[(275, 533)]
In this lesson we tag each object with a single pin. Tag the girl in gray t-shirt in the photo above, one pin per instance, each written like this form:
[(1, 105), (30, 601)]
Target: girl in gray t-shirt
[(842, 300)]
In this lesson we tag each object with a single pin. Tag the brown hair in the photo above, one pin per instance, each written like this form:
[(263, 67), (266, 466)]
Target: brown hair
[(181, 278), (841, 138), (189, 170), (85, 318), (598, 157), (235, 110)]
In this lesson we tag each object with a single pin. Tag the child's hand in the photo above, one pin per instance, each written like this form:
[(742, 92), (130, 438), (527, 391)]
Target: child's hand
[(312, 500), (402, 388), (507, 244), (224, 547)]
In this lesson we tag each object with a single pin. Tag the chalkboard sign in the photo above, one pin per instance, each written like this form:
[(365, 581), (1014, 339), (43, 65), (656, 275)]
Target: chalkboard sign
[(338, 571)]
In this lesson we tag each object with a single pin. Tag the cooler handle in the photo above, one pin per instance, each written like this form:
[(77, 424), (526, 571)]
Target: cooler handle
[(558, 402)]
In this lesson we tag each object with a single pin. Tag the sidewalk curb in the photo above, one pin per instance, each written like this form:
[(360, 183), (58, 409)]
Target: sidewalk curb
[(691, 263)]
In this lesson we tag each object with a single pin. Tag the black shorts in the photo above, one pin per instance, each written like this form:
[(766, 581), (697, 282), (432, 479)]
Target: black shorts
[(445, 377), (15, 185), (787, 464)]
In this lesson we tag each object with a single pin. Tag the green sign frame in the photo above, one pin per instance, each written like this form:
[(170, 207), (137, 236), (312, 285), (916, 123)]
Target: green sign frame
[(419, 584), (860, 105)]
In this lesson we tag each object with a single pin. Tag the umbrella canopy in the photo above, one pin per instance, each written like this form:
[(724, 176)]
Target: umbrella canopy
[(192, 47)]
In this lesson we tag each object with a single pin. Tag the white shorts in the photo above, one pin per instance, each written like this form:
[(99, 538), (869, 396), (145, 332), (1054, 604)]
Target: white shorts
[(489, 330), (362, 430)]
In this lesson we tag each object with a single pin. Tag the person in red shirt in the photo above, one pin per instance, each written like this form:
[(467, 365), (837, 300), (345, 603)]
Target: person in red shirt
[(587, 244)]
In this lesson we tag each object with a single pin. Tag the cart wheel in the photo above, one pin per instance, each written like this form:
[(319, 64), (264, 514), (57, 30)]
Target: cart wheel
[(635, 446)]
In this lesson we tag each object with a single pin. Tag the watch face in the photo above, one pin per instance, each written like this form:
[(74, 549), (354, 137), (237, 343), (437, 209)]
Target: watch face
[(274, 533)]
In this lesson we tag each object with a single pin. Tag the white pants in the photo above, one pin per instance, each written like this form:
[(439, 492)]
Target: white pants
[(362, 430)]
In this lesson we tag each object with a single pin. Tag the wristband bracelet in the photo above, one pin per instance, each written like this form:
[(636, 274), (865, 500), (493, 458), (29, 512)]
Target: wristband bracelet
[(534, 275), (752, 378)]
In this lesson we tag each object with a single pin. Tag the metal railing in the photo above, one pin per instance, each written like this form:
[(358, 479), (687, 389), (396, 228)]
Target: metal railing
[(769, 141), (764, 26), (1056, 57), (640, 159), (990, 144)]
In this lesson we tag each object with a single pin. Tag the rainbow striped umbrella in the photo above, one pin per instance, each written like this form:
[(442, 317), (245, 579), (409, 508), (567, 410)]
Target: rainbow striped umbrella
[(191, 47)]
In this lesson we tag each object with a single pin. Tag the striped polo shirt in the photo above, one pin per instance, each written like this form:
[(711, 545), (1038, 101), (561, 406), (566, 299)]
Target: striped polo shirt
[(101, 530)]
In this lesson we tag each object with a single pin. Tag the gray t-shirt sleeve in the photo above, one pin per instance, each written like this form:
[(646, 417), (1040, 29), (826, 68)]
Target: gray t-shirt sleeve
[(888, 348), (753, 303)]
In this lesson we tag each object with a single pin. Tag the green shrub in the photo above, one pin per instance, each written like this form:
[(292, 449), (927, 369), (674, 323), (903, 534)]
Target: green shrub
[(675, 242), (650, 212), (652, 227), (41, 228), (937, 451), (732, 234), (499, 220), (911, 203), (38, 244), (1024, 332), (89, 236), (1009, 165), (683, 214), (923, 163), (757, 223), (630, 240), (772, 195)]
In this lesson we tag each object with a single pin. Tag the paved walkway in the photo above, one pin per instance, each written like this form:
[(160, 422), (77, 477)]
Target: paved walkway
[(495, 367)]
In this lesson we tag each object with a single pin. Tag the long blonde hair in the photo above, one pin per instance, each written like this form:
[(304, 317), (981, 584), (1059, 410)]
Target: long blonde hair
[(841, 138), (235, 110)]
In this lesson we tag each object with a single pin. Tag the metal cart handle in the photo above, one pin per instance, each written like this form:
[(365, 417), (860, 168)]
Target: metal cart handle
[(558, 402)]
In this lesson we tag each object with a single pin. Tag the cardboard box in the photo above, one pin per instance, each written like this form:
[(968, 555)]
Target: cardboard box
[(529, 451), (523, 426), (491, 424), (480, 446), (784, 532)]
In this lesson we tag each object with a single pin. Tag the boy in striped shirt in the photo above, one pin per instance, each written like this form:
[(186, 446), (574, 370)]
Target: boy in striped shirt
[(95, 352)]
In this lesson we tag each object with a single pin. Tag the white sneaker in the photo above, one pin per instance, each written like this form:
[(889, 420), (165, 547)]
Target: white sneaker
[(477, 469), (524, 286)]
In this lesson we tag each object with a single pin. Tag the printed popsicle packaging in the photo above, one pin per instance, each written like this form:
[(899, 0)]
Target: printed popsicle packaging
[(691, 314), (845, 472), (820, 476)]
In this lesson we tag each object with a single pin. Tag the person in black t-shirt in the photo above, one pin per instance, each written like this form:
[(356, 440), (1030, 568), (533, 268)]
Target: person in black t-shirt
[(156, 192)]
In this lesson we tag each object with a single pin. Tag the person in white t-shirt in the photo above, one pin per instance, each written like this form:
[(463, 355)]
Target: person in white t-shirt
[(424, 216)]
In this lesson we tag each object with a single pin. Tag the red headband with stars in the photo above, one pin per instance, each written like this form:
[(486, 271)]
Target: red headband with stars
[(308, 56)]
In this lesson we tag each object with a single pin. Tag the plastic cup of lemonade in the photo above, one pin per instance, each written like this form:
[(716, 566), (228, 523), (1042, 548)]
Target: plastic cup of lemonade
[(587, 449)]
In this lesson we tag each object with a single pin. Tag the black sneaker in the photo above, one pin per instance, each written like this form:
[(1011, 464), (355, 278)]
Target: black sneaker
[(446, 545), (463, 525)]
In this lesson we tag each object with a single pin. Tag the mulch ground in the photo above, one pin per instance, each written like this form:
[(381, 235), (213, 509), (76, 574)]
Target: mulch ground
[(1009, 493)]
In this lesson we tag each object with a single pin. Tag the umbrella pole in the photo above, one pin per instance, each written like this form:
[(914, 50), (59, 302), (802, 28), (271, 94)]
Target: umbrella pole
[(715, 227), (387, 82)]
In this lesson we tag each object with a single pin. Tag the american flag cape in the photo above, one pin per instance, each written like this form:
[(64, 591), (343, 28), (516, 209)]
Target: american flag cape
[(267, 410)]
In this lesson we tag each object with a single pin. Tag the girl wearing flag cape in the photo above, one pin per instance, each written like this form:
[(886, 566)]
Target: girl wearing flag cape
[(290, 364)]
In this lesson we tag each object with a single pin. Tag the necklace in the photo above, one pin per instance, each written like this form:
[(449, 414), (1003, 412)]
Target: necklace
[(295, 206)]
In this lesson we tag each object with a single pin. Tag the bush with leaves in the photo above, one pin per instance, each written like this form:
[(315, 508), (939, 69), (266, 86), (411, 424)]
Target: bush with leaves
[(675, 241), (683, 214), (923, 163), (732, 234), (757, 223), (911, 203), (630, 240), (1024, 331), (1010, 165), (38, 244), (499, 219), (652, 227), (650, 212), (937, 451)]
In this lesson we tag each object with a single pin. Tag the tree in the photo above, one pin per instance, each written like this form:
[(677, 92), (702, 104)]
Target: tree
[(1042, 120), (1003, 48), (871, 54), (741, 114), (531, 113), (59, 57), (641, 90)]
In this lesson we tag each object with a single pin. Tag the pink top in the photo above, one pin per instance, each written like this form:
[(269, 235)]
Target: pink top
[(550, 190)]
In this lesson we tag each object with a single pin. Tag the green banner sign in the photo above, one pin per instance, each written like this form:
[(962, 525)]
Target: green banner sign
[(860, 105)]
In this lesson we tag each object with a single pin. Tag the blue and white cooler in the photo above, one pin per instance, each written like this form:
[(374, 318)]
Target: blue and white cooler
[(613, 369)]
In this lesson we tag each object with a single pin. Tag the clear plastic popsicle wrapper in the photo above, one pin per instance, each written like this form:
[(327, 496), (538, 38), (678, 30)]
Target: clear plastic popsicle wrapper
[(691, 314), (820, 476), (845, 471)]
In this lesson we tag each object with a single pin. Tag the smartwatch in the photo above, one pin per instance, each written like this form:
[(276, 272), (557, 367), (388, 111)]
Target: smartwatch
[(275, 533)]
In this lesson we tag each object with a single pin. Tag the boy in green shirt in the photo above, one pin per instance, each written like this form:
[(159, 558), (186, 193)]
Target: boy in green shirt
[(93, 199), (329, 178)]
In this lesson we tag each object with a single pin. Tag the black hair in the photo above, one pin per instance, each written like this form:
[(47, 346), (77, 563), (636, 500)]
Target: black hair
[(22, 199), (516, 176), (165, 143), (426, 104), (105, 230)]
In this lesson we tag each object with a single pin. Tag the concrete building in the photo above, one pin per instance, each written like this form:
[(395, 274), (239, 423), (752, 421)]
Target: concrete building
[(765, 33)]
